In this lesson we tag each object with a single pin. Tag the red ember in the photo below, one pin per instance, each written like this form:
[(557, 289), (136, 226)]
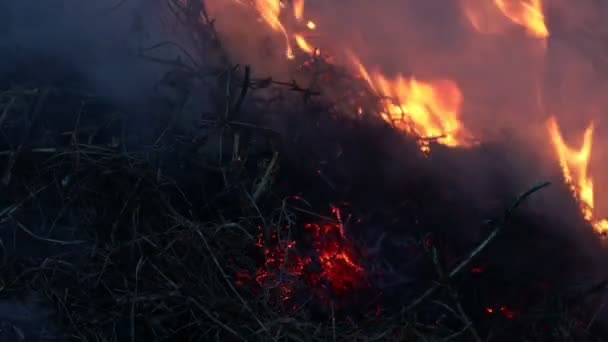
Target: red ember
[(327, 264)]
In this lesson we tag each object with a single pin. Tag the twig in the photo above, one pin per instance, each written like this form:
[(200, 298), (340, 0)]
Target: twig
[(482, 245), (196, 66), (137, 269), (595, 315), (215, 320), (6, 110), (266, 178), (38, 237), (225, 276), (463, 315), (330, 219), (26, 134), (333, 322), (244, 88)]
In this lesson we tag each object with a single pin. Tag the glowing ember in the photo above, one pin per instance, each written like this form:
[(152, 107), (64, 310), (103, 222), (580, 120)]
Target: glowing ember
[(330, 265), (504, 310), (311, 25), (574, 166), (527, 13), (430, 110)]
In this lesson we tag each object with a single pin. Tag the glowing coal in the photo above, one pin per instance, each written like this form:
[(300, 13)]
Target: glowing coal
[(328, 265)]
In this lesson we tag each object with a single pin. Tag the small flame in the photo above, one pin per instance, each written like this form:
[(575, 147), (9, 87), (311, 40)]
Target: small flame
[(575, 165), (483, 16), (311, 25), (270, 10), (298, 9), (303, 44), (430, 110), (527, 13)]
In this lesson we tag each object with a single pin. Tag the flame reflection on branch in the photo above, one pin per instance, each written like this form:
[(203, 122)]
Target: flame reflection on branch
[(575, 170), (425, 109)]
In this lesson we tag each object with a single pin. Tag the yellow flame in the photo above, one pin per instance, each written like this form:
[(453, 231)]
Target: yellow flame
[(425, 109), (527, 13), (575, 170), (303, 44), (269, 11), (311, 25), (298, 9)]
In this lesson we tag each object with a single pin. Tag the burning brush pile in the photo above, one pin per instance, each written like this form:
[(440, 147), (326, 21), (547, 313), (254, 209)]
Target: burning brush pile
[(316, 199)]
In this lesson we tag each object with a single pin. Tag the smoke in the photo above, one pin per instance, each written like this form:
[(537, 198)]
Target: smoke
[(511, 82), (502, 74), (88, 41)]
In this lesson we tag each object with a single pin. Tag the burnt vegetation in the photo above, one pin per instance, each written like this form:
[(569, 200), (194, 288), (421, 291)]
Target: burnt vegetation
[(322, 225)]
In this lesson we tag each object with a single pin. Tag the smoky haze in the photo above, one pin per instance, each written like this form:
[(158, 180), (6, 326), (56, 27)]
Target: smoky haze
[(59, 40), (510, 81)]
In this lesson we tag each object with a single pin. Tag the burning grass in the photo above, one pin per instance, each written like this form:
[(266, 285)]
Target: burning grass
[(239, 230), (168, 243)]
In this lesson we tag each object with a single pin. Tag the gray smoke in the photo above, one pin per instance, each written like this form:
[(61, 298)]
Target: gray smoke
[(96, 41)]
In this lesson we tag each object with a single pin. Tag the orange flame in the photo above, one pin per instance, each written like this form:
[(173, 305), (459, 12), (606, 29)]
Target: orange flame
[(426, 109), (483, 16), (527, 13), (575, 166), (270, 10), (298, 9), (303, 44)]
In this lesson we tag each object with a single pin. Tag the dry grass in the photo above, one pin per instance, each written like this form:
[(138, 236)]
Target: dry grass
[(147, 243)]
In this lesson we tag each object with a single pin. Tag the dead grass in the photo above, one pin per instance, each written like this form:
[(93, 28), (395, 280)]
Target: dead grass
[(147, 243)]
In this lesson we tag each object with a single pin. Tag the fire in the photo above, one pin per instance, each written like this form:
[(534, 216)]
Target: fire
[(331, 263), (298, 9), (270, 11), (303, 44), (485, 15), (504, 310), (575, 164), (527, 13), (430, 110)]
